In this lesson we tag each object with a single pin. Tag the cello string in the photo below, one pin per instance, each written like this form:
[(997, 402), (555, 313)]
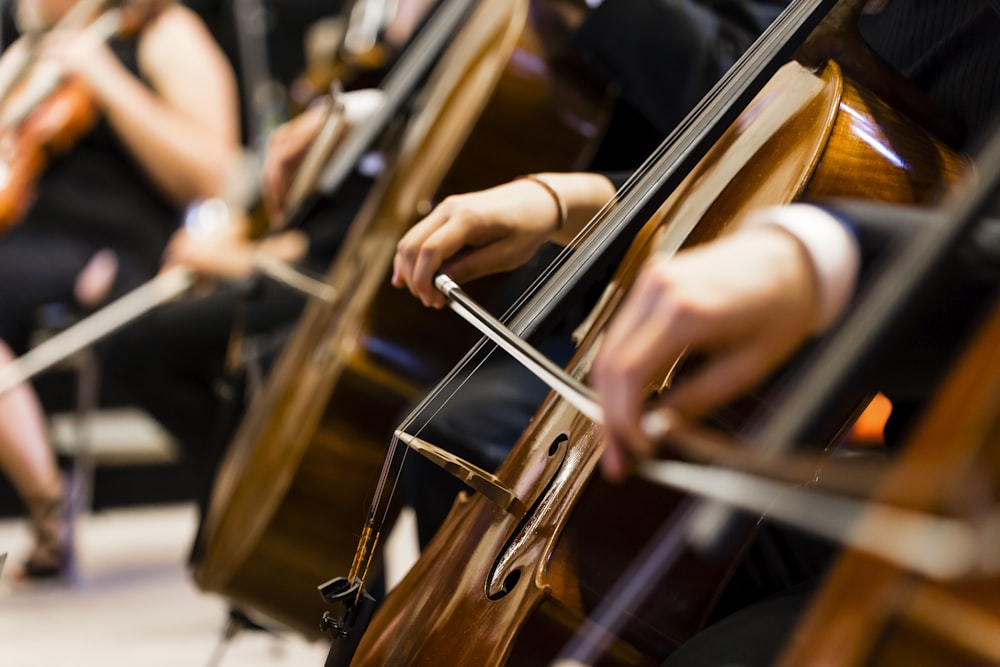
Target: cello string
[(753, 58), (897, 287), (629, 199), (759, 53)]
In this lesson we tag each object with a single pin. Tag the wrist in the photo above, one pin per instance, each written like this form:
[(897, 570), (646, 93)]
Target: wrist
[(832, 252), (562, 212)]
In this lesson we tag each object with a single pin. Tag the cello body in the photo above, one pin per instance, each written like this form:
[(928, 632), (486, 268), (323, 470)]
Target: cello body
[(502, 588), (292, 489)]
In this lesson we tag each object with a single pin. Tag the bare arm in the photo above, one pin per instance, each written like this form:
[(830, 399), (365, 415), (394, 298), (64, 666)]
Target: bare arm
[(183, 131), (498, 229)]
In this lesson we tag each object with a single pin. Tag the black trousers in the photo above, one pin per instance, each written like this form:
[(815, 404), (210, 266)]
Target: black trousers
[(171, 363), (41, 267)]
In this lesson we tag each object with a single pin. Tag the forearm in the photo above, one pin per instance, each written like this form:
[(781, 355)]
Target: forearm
[(582, 195), (183, 157)]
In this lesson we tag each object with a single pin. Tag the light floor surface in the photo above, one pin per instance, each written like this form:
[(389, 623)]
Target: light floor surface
[(132, 603)]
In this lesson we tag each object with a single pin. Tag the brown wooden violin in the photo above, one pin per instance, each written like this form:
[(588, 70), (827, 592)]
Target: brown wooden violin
[(48, 112)]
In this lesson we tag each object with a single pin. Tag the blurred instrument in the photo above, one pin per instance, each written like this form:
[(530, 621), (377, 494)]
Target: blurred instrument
[(350, 49), (291, 492), (873, 612), (50, 111)]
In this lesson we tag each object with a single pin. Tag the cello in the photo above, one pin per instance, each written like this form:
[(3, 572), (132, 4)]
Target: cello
[(289, 492), (506, 583)]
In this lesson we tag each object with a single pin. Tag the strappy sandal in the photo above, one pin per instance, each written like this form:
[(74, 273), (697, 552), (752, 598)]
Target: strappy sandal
[(51, 555)]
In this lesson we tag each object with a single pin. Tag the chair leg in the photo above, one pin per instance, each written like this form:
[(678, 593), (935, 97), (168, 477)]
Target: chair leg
[(80, 487)]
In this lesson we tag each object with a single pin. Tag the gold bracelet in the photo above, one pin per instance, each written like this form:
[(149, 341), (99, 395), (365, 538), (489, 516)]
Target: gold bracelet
[(560, 204)]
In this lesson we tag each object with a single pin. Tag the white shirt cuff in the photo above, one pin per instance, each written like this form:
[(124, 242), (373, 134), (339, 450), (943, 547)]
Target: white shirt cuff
[(832, 249)]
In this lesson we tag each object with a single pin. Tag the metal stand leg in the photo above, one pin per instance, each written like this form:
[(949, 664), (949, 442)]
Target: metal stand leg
[(236, 622), (79, 491)]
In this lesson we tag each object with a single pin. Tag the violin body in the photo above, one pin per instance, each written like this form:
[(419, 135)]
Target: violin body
[(497, 588), (57, 112), (25, 149), (292, 490)]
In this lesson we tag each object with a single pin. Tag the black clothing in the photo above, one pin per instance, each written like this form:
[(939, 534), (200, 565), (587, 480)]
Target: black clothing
[(949, 50), (97, 191), (94, 196), (664, 54)]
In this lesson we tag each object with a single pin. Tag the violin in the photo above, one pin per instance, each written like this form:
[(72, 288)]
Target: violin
[(516, 570), (49, 112)]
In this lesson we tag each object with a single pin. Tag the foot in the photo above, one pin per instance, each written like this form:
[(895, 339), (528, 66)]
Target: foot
[(51, 556)]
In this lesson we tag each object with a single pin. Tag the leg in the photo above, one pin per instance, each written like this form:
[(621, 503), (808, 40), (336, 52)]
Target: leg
[(27, 460), (34, 269), (172, 363)]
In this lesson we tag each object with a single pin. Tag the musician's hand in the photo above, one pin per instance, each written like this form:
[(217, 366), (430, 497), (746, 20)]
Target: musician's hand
[(285, 150), (473, 235), (289, 144), (78, 54), (746, 302), (219, 255)]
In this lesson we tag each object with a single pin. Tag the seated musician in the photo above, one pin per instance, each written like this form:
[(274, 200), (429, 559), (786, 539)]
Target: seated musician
[(166, 134), (748, 300), (189, 385)]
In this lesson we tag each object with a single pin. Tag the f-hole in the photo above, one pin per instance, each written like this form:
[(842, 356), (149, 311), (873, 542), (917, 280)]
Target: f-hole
[(554, 447), (510, 580)]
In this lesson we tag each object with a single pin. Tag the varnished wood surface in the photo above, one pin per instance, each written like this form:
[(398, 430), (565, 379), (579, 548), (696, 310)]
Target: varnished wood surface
[(492, 590)]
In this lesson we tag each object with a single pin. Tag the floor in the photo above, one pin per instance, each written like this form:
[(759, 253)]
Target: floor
[(133, 604)]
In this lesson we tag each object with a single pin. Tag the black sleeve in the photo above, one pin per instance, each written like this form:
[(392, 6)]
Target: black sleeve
[(666, 54), (882, 229), (935, 328)]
